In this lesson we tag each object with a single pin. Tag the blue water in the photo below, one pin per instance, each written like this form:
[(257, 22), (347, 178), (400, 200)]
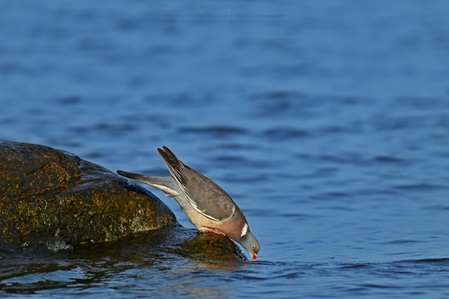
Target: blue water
[(326, 121)]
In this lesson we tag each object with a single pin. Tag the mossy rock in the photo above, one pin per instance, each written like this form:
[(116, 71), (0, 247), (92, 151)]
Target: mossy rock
[(48, 195)]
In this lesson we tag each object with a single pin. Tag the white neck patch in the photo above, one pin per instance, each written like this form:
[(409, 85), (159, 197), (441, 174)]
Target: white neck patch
[(244, 230)]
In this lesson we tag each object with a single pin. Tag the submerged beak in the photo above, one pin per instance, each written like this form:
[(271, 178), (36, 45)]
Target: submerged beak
[(254, 256)]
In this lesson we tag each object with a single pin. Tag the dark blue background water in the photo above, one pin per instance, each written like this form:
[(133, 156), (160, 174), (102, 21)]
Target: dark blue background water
[(327, 121)]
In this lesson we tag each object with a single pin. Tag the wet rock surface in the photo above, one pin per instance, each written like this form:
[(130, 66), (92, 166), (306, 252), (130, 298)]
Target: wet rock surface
[(49, 195)]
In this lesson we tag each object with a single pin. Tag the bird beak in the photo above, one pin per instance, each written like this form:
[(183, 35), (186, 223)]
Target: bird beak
[(254, 257)]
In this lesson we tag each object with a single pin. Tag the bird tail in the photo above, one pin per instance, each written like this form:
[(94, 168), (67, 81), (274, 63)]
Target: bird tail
[(165, 184), (132, 175)]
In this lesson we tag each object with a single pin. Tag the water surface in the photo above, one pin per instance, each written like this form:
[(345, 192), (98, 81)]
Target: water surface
[(327, 122)]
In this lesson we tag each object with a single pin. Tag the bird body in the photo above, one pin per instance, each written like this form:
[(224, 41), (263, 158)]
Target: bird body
[(205, 203)]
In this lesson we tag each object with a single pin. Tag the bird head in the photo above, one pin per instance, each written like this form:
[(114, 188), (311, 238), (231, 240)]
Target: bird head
[(250, 243)]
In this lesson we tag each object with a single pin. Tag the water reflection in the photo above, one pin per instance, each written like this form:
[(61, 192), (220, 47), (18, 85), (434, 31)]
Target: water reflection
[(177, 260)]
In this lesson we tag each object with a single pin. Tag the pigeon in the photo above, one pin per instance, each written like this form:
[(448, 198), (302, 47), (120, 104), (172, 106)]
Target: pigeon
[(208, 207)]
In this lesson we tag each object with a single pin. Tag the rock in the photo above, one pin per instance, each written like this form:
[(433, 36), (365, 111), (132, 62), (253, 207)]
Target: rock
[(208, 247), (48, 195)]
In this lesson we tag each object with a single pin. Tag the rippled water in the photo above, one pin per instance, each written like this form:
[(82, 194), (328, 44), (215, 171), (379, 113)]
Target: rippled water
[(326, 121)]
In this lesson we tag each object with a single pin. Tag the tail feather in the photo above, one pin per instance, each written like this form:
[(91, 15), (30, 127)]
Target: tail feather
[(131, 175), (165, 184)]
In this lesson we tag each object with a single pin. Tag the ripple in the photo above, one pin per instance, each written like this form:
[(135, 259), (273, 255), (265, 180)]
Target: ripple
[(389, 159), (215, 130), (69, 100), (278, 95), (404, 241), (432, 260), (114, 128), (102, 128), (280, 102), (296, 215), (355, 266), (281, 133), (377, 286), (437, 208), (420, 187), (229, 158)]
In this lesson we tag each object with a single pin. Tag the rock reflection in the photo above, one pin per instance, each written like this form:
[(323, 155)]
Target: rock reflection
[(174, 260)]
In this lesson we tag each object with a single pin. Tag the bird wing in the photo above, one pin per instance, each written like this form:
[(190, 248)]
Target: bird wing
[(203, 194)]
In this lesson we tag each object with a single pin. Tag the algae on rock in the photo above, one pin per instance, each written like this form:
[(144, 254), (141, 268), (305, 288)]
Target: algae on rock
[(51, 195)]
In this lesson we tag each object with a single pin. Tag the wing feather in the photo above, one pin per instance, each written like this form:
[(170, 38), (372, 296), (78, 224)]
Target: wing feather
[(203, 194)]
